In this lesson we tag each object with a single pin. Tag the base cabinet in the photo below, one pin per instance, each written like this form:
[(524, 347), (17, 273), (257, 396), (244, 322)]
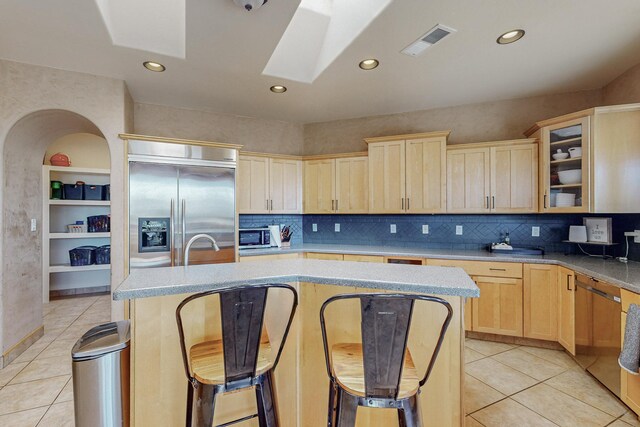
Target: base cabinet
[(541, 301), (499, 309), (566, 309), (629, 384)]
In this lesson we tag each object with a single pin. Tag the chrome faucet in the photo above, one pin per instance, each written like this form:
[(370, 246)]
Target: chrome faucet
[(193, 239)]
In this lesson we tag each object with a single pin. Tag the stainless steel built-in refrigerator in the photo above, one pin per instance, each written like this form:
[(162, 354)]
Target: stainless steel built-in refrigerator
[(177, 192)]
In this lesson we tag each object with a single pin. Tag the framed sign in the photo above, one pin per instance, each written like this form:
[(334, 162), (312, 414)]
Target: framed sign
[(598, 230)]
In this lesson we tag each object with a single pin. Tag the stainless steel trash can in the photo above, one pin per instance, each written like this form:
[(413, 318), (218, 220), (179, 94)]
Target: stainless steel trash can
[(101, 376)]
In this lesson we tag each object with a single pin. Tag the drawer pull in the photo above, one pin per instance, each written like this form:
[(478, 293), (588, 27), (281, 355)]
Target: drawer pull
[(498, 269)]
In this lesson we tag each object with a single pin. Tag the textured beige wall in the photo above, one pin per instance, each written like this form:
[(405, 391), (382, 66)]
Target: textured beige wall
[(270, 136), (46, 100), (84, 150), (488, 121), (625, 89)]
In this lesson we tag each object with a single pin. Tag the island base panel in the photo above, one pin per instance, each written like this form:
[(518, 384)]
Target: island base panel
[(159, 384)]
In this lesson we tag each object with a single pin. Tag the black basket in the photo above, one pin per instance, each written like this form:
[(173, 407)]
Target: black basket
[(82, 255), (106, 192), (92, 192), (73, 191), (103, 254), (99, 224)]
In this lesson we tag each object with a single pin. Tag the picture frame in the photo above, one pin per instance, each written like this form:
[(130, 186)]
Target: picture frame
[(599, 230)]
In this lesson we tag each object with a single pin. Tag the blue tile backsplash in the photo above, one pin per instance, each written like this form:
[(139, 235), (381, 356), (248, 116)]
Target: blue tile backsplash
[(478, 230)]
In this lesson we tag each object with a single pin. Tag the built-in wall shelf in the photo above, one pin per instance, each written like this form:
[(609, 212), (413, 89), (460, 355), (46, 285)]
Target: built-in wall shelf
[(57, 274), (79, 235), (65, 268), (79, 202)]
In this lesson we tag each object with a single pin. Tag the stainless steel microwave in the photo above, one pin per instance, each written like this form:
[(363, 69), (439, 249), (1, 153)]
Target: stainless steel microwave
[(250, 238)]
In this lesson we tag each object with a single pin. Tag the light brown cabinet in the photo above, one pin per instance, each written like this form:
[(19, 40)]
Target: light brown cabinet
[(608, 139), (498, 177), (407, 173), (269, 185), (337, 185), (499, 308), (540, 301), (566, 309), (629, 384)]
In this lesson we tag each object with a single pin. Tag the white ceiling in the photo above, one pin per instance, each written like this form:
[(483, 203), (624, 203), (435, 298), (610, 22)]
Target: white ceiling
[(570, 45)]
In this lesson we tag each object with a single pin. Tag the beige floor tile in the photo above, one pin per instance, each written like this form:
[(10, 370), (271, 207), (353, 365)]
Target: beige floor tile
[(561, 408), (529, 364), (55, 320), (28, 418), (67, 392), (581, 385), (9, 372), (44, 368), (558, 357), (34, 394), (91, 317), (471, 355), (469, 421), (618, 423), (631, 418), (488, 348), (74, 332), (510, 413), (59, 415), (57, 348), (477, 395), (501, 377)]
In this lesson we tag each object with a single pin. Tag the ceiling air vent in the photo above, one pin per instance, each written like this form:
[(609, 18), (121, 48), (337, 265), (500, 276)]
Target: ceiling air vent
[(432, 37)]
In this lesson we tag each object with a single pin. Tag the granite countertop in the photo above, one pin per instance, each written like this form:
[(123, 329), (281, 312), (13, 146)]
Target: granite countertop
[(624, 275), (406, 278)]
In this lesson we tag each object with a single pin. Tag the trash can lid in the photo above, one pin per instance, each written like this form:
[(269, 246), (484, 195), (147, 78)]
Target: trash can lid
[(102, 339)]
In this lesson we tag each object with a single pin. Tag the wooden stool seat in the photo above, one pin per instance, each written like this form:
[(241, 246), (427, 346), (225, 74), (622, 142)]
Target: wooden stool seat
[(348, 369), (207, 362)]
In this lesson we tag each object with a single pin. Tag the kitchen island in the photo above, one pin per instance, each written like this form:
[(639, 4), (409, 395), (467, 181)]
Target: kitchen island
[(158, 383)]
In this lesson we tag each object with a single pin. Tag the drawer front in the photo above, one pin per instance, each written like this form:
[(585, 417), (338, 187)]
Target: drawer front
[(363, 258), (330, 257), (482, 268)]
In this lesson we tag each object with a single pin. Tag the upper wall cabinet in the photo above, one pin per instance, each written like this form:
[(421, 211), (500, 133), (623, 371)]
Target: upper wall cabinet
[(269, 185), (498, 177), (407, 173), (336, 185), (590, 160)]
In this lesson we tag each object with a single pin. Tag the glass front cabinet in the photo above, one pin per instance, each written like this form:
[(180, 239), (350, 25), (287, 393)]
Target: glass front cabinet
[(564, 157)]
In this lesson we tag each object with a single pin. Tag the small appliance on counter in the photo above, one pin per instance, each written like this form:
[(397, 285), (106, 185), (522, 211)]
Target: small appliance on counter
[(254, 238), (577, 233), (276, 241)]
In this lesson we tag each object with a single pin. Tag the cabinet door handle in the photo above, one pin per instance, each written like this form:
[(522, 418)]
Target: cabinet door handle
[(333, 204), (487, 202), (493, 202), (568, 283), (336, 205), (407, 203), (402, 200), (271, 204), (544, 201)]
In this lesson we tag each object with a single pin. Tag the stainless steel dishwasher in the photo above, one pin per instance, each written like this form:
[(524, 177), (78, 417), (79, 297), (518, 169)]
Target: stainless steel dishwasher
[(597, 330)]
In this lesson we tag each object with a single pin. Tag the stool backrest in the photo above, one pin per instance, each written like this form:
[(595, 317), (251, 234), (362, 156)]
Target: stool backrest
[(242, 312), (385, 324)]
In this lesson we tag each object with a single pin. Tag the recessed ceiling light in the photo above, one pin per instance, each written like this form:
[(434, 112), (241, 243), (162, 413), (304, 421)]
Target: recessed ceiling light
[(369, 64), (510, 37), (154, 66), (278, 89)]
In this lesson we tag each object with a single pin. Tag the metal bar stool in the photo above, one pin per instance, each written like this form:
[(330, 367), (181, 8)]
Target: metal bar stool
[(239, 360), (378, 372)]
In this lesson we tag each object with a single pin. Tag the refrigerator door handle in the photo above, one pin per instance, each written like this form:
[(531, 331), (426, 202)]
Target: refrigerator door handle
[(184, 227), (172, 245)]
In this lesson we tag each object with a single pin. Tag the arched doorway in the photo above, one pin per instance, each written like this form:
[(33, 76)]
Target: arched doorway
[(24, 150)]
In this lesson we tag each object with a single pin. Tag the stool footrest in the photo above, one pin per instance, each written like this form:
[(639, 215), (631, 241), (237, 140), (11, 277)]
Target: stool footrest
[(239, 420)]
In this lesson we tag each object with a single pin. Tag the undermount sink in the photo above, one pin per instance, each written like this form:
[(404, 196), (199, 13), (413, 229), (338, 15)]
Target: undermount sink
[(516, 250)]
